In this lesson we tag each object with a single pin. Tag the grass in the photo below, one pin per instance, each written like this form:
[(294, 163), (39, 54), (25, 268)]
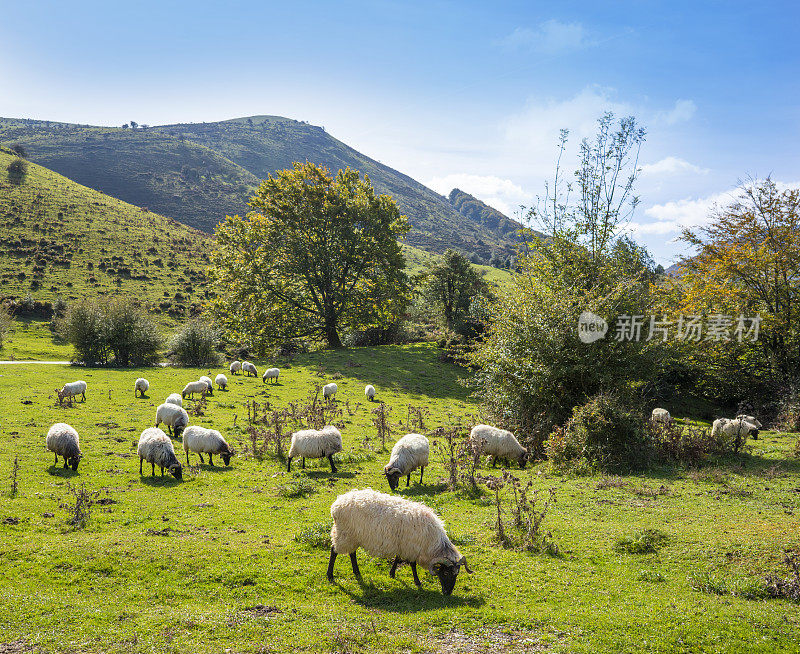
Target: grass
[(32, 340), (224, 562)]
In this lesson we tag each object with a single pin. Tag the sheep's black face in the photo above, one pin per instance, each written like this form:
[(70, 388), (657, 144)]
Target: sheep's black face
[(447, 573), (754, 434), (73, 462), (226, 458), (394, 479), (177, 471), (179, 430), (523, 460)]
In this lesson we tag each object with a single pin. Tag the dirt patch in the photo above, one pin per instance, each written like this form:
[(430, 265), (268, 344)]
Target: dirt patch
[(262, 611), (17, 647), (489, 641), (10, 520)]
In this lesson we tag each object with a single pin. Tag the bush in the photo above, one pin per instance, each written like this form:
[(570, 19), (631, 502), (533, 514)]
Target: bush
[(17, 170), (85, 329), (195, 344)]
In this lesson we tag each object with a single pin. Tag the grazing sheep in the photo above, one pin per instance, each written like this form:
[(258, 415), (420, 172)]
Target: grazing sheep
[(174, 398), (408, 454), (206, 441), (194, 387), (271, 373), (209, 383), (732, 434), (73, 389), (751, 419), (313, 444), (173, 416), (155, 447), (387, 526), (661, 416), (141, 386), (499, 443), (221, 381), (329, 391), (236, 366), (369, 391), (249, 369), (62, 440)]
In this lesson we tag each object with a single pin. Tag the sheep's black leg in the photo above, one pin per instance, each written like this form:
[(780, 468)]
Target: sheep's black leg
[(162, 471), (187, 457), (84, 396), (393, 569), (303, 466), (201, 457), (416, 578), (288, 464), (153, 470), (65, 463), (421, 472), (354, 563), (330, 460), (330, 564), (56, 463), (408, 480), (494, 462), (210, 459), (140, 466)]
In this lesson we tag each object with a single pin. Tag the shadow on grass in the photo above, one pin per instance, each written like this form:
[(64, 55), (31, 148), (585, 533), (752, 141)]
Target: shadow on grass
[(206, 467), (159, 481), (60, 471), (409, 599)]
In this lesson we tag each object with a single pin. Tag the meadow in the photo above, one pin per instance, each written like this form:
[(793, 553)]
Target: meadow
[(233, 559)]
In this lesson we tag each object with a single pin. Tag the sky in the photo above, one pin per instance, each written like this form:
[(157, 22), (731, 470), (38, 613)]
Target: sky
[(455, 94)]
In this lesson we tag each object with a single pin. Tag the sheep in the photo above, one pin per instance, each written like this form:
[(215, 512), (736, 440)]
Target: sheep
[(194, 387), (733, 433), (208, 383), (271, 373), (174, 398), (173, 416), (661, 416), (313, 444), (369, 391), (155, 447), (329, 391), (206, 441), (408, 454), (501, 444), (221, 381), (63, 441), (141, 386), (73, 389), (236, 366), (751, 419), (388, 526), (249, 369)]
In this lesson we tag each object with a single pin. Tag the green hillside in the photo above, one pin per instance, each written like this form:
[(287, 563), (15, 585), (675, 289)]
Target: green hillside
[(198, 173), (61, 239)]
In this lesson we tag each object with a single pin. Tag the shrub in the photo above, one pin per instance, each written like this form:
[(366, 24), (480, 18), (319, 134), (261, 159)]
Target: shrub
[(195, 344), (84, 328), (17, 170)]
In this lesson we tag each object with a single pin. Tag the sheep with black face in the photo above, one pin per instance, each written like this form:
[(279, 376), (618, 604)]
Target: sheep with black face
[(62, 440), (408, 454)]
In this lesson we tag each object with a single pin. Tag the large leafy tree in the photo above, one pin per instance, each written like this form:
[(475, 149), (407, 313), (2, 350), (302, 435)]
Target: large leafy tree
[(318, 254), (450, 286)]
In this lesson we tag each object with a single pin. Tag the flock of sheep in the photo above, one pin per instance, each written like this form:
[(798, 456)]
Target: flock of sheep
[(726, 431), (384, 525)]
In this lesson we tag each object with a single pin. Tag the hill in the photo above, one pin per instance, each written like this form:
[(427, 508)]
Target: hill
[(199, 172), (61, 239)]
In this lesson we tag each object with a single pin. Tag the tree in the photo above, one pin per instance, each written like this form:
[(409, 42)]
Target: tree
[(134, 124), (20, 151), (450, 286), (316, 255)]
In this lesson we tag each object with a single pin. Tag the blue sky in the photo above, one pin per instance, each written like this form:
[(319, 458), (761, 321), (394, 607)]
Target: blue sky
[(452, 93)]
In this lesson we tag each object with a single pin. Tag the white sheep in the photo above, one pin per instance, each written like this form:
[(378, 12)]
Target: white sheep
[(73, 389), (369, 391), (661, 416), (236, 366), (498, 443), (221, 381), (174, 398), (208, 383), (315, 444), (387, 526), (271, 373), (173, 416), (194, 387), (732, 434), (751, 419), (141, 386), (206, 441), (408, 454), (62, 440), (329, 391), (155, 447), (249, 369)]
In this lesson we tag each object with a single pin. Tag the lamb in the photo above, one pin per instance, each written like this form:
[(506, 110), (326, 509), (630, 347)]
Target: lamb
[(63, 441), (221, 381), (388, 526), (329, 391), (661, 416), (141, 386), (733, 433), (408, 454), (314, 444), (271, 373), (236, 366), (155, 447), (369, 391), (249, 369), (499, 443), (173, 416), (73, 389), (206, 441), (194, 387), (208, 383), (174, 398)]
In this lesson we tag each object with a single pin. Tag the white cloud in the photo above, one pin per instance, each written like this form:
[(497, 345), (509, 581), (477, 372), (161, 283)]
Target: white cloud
[(682, 112), (672, 217), (671, 166), (550, 37), (502, 194)]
